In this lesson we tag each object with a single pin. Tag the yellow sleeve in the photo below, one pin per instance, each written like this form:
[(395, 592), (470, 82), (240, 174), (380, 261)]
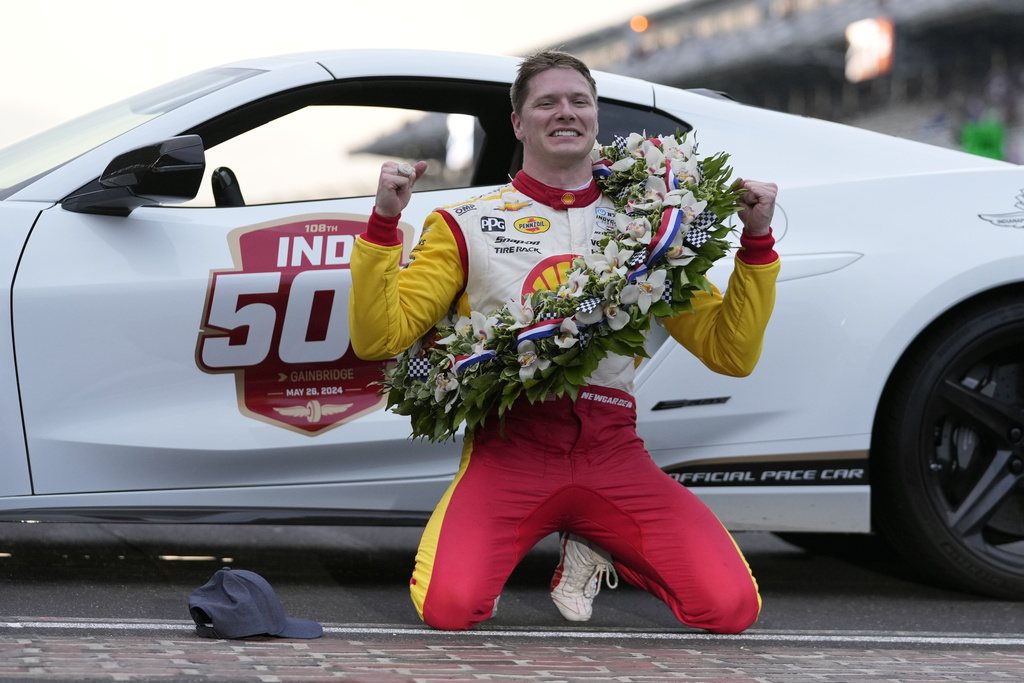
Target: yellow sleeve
[(726, 332), (391, 307)]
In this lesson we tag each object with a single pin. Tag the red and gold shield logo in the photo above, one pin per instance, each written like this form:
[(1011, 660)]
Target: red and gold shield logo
[(278, 320)]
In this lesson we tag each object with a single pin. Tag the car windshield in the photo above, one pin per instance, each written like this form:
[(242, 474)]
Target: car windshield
[(41, 153)]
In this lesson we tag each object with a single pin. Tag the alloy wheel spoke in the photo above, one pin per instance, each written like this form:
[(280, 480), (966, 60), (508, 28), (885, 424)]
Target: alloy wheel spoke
[(988, 493), (995, 416)]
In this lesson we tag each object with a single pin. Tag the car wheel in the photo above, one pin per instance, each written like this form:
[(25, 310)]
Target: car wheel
[(948, 451)]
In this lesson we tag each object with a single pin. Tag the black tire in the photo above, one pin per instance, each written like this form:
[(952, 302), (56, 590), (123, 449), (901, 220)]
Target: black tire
[(948, 451)]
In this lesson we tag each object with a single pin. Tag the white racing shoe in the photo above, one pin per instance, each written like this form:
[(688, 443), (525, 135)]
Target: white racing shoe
[(577, 579)]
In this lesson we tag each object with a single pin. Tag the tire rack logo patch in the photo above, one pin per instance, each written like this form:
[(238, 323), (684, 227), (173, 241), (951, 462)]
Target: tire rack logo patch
[(278, 321)]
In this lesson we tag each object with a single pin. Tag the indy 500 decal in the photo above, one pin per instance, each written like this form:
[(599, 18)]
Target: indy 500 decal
[(278, 320)]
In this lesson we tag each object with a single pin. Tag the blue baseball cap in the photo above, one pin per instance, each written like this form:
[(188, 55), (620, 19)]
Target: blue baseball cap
[(237, 603)]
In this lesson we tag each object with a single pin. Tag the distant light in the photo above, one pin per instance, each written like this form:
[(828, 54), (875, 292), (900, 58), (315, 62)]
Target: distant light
[(459, 154), (188, 558), (639, 23), (869, 54), (5, 554)]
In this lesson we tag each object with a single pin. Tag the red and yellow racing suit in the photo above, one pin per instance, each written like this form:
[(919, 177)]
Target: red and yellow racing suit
[(560, 465)]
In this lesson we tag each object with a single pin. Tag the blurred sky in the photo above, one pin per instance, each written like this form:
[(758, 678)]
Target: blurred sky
[(63, 58)]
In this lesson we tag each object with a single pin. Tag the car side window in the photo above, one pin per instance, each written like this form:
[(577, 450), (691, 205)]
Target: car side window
[(619, 120), (335, 151), (328, 141)]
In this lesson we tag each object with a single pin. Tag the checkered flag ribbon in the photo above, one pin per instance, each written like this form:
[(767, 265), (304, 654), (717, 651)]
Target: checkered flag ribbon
[(547, 315), (620, 144), (696, 237), (419, 367), (589, 305), (637, 258), (666, 294), (705, 219), (584, 336)]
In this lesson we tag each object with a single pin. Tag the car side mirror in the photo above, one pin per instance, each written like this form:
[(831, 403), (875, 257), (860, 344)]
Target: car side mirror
[(167, 172)]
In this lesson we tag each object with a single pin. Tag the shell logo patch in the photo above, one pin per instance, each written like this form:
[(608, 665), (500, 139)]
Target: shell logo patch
[(548, 274), (568, 198), (532, 225), (278, 321)]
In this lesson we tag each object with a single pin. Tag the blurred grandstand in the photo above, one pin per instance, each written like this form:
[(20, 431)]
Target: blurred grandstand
[(946, 72)]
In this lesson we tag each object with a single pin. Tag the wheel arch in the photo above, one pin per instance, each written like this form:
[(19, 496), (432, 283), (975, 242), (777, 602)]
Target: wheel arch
[(918, 485), (912, 354)]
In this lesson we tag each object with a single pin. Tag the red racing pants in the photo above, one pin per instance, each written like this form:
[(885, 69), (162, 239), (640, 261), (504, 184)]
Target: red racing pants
[(577, 467)]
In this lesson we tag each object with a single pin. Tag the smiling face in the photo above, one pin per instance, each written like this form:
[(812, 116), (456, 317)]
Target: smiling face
[(557, 124)]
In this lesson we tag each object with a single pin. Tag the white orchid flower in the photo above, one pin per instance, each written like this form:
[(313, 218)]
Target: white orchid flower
[(575, 281), (655, 190), (634, 141), (462, 327), (677, 150), (611, 262), (623, 164), (483, 327), (654, 157), (649, 287), (690, 206), (678, 254), (629, 295), (446, 384), (616, 316), (637, 230), (567, 334), (529, 361), (592, 317), (521, 312), (687, 172)]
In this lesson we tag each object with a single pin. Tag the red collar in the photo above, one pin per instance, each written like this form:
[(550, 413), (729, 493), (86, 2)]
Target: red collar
[(554, 197)]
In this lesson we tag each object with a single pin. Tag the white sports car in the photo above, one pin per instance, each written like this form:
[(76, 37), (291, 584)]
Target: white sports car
[(177, 281)]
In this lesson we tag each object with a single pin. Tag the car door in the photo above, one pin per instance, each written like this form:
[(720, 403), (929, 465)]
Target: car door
[(204, 347)]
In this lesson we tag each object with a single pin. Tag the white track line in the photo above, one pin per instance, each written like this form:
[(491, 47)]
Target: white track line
[(792, 637)]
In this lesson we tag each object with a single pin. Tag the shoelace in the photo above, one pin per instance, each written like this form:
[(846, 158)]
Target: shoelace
[(593, 586)]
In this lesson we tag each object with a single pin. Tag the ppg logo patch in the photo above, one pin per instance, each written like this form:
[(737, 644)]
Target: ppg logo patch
[(492, 224)]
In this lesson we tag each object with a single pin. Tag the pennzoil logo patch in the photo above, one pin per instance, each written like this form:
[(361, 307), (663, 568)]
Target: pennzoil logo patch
[(532, 225), (278, 321)]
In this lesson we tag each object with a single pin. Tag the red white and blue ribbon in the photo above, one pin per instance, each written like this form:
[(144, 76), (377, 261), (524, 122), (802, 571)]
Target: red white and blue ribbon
[(671, 224), (463, 362), (671, 179), (602, 168), (545, 328)]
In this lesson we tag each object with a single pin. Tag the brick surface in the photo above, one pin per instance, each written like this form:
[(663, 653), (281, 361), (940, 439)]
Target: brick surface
[(449, 658)]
